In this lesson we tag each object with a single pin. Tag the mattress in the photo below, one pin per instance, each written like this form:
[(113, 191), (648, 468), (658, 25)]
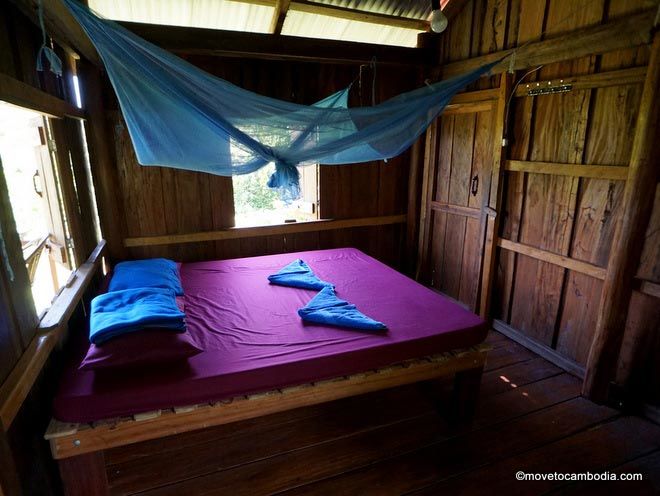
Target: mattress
[(254, 340)]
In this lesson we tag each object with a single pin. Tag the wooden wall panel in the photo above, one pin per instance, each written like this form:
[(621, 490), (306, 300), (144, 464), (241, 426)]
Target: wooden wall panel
[(598, 209), (521, 124), (24, 451), (558, 136), (570, 216), (194, 202)]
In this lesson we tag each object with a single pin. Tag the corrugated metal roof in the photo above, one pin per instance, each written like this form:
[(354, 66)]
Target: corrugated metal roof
[(212, 14), (415, 9), (238, 16), (319, 26)]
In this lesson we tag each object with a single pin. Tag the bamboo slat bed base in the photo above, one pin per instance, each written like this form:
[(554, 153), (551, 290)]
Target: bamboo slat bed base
[(67, 440)]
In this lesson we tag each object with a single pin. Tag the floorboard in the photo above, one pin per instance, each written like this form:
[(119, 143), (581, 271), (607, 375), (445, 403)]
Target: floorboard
[(530, 417), (460, 454), (516, 375), (647, 465), (594, 450)]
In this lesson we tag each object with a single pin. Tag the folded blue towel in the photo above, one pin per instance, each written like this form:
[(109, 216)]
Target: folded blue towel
[(298, 275), (129, 310), (151, 273), (326, 308)]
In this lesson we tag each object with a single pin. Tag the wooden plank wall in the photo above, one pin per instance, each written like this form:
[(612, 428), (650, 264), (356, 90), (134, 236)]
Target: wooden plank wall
[(32, 467), (569, 216), (194, 202)]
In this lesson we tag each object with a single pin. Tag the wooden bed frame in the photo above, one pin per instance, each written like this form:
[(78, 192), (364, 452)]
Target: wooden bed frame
[(79, 448)]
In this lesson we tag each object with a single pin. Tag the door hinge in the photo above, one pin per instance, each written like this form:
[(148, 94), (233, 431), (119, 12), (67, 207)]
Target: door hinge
[(52, 145)]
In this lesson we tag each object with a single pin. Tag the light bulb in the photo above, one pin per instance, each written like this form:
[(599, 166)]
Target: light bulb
[(439, 21)]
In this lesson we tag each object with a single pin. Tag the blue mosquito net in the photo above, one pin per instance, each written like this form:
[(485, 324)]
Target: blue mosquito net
[(180, 116)]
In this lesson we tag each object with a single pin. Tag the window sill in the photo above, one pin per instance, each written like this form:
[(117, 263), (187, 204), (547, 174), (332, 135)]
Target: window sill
[(269, 230)]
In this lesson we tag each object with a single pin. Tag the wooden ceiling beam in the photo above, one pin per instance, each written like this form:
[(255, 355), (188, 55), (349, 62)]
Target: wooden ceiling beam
[(62, 27), (451, 8), (198, 41), (358, 15), (626, 32), (279, 16)]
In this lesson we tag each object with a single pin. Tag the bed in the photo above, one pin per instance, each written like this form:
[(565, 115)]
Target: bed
[(260, 358)]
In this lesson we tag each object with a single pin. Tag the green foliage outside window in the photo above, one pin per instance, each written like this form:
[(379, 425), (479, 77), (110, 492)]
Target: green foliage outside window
[(251, 192)]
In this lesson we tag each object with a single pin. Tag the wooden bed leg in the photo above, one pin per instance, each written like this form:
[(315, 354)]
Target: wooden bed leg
[(84, 475), (465, 395)]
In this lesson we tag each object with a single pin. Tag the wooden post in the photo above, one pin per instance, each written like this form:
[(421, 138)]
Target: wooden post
[(102, 163), (425, 216), (413, 213), (628, 238), (83, 183), (69, 196)]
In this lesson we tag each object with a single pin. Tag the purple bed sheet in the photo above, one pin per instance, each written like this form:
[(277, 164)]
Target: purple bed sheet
[(254, 340)]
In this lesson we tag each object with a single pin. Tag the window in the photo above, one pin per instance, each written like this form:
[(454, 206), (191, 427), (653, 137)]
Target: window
[(35, 197), (255, 204)]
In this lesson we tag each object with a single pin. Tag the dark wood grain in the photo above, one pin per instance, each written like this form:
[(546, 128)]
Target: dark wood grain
[(84, 475), (462, 454), (325, 459), (606, 445), (139, 468)]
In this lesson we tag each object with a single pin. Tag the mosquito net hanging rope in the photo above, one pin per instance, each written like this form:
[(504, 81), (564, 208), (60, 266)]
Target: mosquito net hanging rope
[(180, 116)]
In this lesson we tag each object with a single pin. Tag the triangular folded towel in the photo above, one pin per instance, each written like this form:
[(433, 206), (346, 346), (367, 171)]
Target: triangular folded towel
[(326, 308), (130, 310), (298, 275)]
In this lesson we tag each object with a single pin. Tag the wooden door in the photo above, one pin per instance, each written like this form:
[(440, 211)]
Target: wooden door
[(458, 180)]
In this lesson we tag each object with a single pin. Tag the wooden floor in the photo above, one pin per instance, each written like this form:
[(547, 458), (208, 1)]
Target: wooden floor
[(531, 418)]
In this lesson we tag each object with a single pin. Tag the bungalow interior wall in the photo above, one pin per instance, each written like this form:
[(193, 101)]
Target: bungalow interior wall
[(159, 201), (570, 216), (33, 469), (575, 217)]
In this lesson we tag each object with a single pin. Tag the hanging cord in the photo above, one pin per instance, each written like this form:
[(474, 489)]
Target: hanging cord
[(54, 62), (5, 257), (508, 102), (373, 82), (512, 62), (371, 65), (362, 66)]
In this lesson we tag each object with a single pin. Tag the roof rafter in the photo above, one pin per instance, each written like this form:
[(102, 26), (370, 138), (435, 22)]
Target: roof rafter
[(279, 15)]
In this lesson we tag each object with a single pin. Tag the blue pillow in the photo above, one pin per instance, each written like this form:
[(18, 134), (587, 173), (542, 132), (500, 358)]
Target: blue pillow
[(151, 273), (123, 312)]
